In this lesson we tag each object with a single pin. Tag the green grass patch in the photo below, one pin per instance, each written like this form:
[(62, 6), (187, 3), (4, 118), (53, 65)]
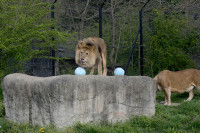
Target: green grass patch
[(184, 118)]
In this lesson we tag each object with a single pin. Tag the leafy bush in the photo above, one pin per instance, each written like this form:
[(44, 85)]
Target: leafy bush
[(2, 109), (168, 44), (26, 32)]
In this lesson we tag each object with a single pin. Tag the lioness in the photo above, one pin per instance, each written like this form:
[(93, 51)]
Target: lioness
[(90, 53), (180, 82)]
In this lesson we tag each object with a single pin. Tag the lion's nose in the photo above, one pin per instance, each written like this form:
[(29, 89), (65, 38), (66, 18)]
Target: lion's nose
[(82, 60)]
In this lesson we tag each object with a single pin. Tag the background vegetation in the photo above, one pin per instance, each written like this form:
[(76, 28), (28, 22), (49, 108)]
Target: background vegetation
[(171, 41), (170, 32), (170, 27), (26, 33)]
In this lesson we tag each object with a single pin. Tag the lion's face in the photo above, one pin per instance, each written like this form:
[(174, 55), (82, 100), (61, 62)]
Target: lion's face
[(83, 55), (85, 58)]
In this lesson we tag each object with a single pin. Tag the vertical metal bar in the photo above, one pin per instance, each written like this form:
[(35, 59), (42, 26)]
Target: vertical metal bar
[(133, 46), (100, 19), (141, 46), (52, 49), (141, 54), (100, 22), (52, 12)]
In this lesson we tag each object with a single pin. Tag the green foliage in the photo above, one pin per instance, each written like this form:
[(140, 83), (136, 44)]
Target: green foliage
[(168, 44), (9, 127), (26, 32), (64, 67), (2, 109), (192, 41), (174, 1)]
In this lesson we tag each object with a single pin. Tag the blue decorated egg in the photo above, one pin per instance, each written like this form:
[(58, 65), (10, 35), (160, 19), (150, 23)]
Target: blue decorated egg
[(119, 71), (80, 71)]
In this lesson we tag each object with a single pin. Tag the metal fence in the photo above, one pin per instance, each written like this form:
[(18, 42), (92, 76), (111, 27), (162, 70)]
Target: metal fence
[(142, 38), (46, 67), (137, 48)]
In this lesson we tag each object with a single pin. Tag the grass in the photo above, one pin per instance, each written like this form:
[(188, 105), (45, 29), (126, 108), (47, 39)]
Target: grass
[(184, 118)]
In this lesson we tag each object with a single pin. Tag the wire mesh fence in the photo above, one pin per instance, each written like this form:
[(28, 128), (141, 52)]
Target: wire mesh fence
[(126, 25), (46, 67)]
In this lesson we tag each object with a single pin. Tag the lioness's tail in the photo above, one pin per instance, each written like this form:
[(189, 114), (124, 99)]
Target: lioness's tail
[(157, 86), (156, 77)]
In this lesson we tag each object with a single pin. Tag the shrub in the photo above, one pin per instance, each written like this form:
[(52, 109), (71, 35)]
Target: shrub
[(168, 44)]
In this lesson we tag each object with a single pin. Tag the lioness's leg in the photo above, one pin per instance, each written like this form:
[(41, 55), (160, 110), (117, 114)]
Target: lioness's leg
[(198, 88), (92, 70), (100, 67), (165, 102), (104, 64), (191, 95), (167, 92)]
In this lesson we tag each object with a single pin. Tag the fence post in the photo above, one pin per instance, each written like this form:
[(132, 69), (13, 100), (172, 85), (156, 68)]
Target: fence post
[(141, 42), (141, 46), (100, 22), (141, 54), (52, 50), (133, 46), (100, 19)]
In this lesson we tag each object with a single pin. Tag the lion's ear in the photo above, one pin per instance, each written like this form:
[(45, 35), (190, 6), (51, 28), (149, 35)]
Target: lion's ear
[(81, 45), (91, 46)]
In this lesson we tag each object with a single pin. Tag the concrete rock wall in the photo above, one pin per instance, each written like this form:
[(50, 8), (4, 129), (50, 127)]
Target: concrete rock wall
[(67, 99)]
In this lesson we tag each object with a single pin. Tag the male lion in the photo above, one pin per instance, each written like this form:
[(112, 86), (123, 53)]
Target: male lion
[(90, 53), (180, 82)]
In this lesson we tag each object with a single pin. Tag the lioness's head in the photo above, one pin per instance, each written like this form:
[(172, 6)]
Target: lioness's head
[(86, 54)]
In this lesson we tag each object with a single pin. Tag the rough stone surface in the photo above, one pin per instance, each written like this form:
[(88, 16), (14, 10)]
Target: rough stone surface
[(67, 99)]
